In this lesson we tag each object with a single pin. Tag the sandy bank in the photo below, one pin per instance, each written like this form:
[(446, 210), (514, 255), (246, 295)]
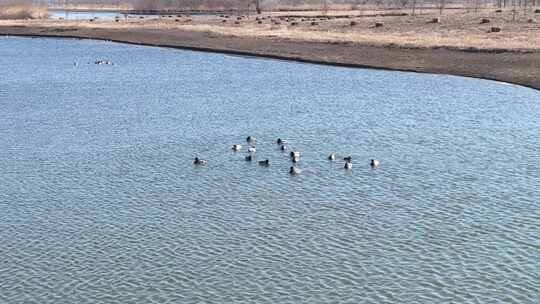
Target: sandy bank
[(504, 65)]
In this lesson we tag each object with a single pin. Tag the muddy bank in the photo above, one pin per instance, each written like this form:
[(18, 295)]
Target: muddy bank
[(521, 68)]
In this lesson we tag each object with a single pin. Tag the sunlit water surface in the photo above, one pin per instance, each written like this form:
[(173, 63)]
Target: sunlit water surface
[(100, 201), (108, 15), (76, 15)]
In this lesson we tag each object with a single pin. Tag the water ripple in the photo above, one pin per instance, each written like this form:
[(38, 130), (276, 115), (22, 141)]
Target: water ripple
[(100, 201)]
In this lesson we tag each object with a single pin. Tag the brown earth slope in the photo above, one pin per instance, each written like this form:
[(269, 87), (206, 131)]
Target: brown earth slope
[(520, 65)]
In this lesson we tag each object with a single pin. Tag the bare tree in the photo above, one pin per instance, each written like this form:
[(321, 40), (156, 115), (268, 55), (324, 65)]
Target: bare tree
[(324, 7), (441, 5)]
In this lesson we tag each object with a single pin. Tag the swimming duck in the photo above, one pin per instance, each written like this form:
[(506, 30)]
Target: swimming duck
[(251, 139), (283, 148), (236, 147), (249, 158), (265, 163), (252, 149), (348, 158), (199, 161), (294, 154), (332, 156), (295, 159), (281, 141), (375, 163), (348, 166), (294, 171)]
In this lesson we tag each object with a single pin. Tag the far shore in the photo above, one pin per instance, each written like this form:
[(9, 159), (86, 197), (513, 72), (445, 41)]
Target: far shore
[(517, 61)]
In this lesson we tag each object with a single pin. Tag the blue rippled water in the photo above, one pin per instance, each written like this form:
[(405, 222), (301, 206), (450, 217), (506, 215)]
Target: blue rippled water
[(100, 201), (78, 15)]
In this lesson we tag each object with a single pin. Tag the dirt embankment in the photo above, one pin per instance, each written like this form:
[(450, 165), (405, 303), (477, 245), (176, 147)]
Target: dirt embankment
[(451, 48)]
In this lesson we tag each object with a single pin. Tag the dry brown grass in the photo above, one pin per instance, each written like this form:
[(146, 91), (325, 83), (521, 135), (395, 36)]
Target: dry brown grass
[(458, 29), (23, 11)]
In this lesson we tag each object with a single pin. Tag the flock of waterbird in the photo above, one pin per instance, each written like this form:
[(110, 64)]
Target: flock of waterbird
[(97, 62), (294, 155)]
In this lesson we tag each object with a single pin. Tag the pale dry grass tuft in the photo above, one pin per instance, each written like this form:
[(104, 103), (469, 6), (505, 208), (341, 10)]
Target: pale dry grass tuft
[(23, 11)]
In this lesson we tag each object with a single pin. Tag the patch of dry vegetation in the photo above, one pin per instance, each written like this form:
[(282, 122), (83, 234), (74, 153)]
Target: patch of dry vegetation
[(22, 10), (308, 5), (456, 29)]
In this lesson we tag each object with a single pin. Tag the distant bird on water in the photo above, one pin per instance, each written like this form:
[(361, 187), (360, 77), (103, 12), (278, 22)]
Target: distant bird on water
[(236, 147), (265, 163), (252, 149), (199, 161), (294, 171), (348, 166), (100, 62), (332, 156), (294, 154), (348, 158), (251, 139), (375, 163)]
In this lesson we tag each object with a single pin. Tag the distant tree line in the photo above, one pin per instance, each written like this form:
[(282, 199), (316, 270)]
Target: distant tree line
[(13, 2), (291, 4), (191, 4)]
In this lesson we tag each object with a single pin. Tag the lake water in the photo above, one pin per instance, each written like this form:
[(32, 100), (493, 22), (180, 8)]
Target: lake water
[(79, 15), (76, 15), (100, 201)]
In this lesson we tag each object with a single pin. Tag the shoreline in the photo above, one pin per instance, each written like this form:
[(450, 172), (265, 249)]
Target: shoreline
[(520, 68)]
